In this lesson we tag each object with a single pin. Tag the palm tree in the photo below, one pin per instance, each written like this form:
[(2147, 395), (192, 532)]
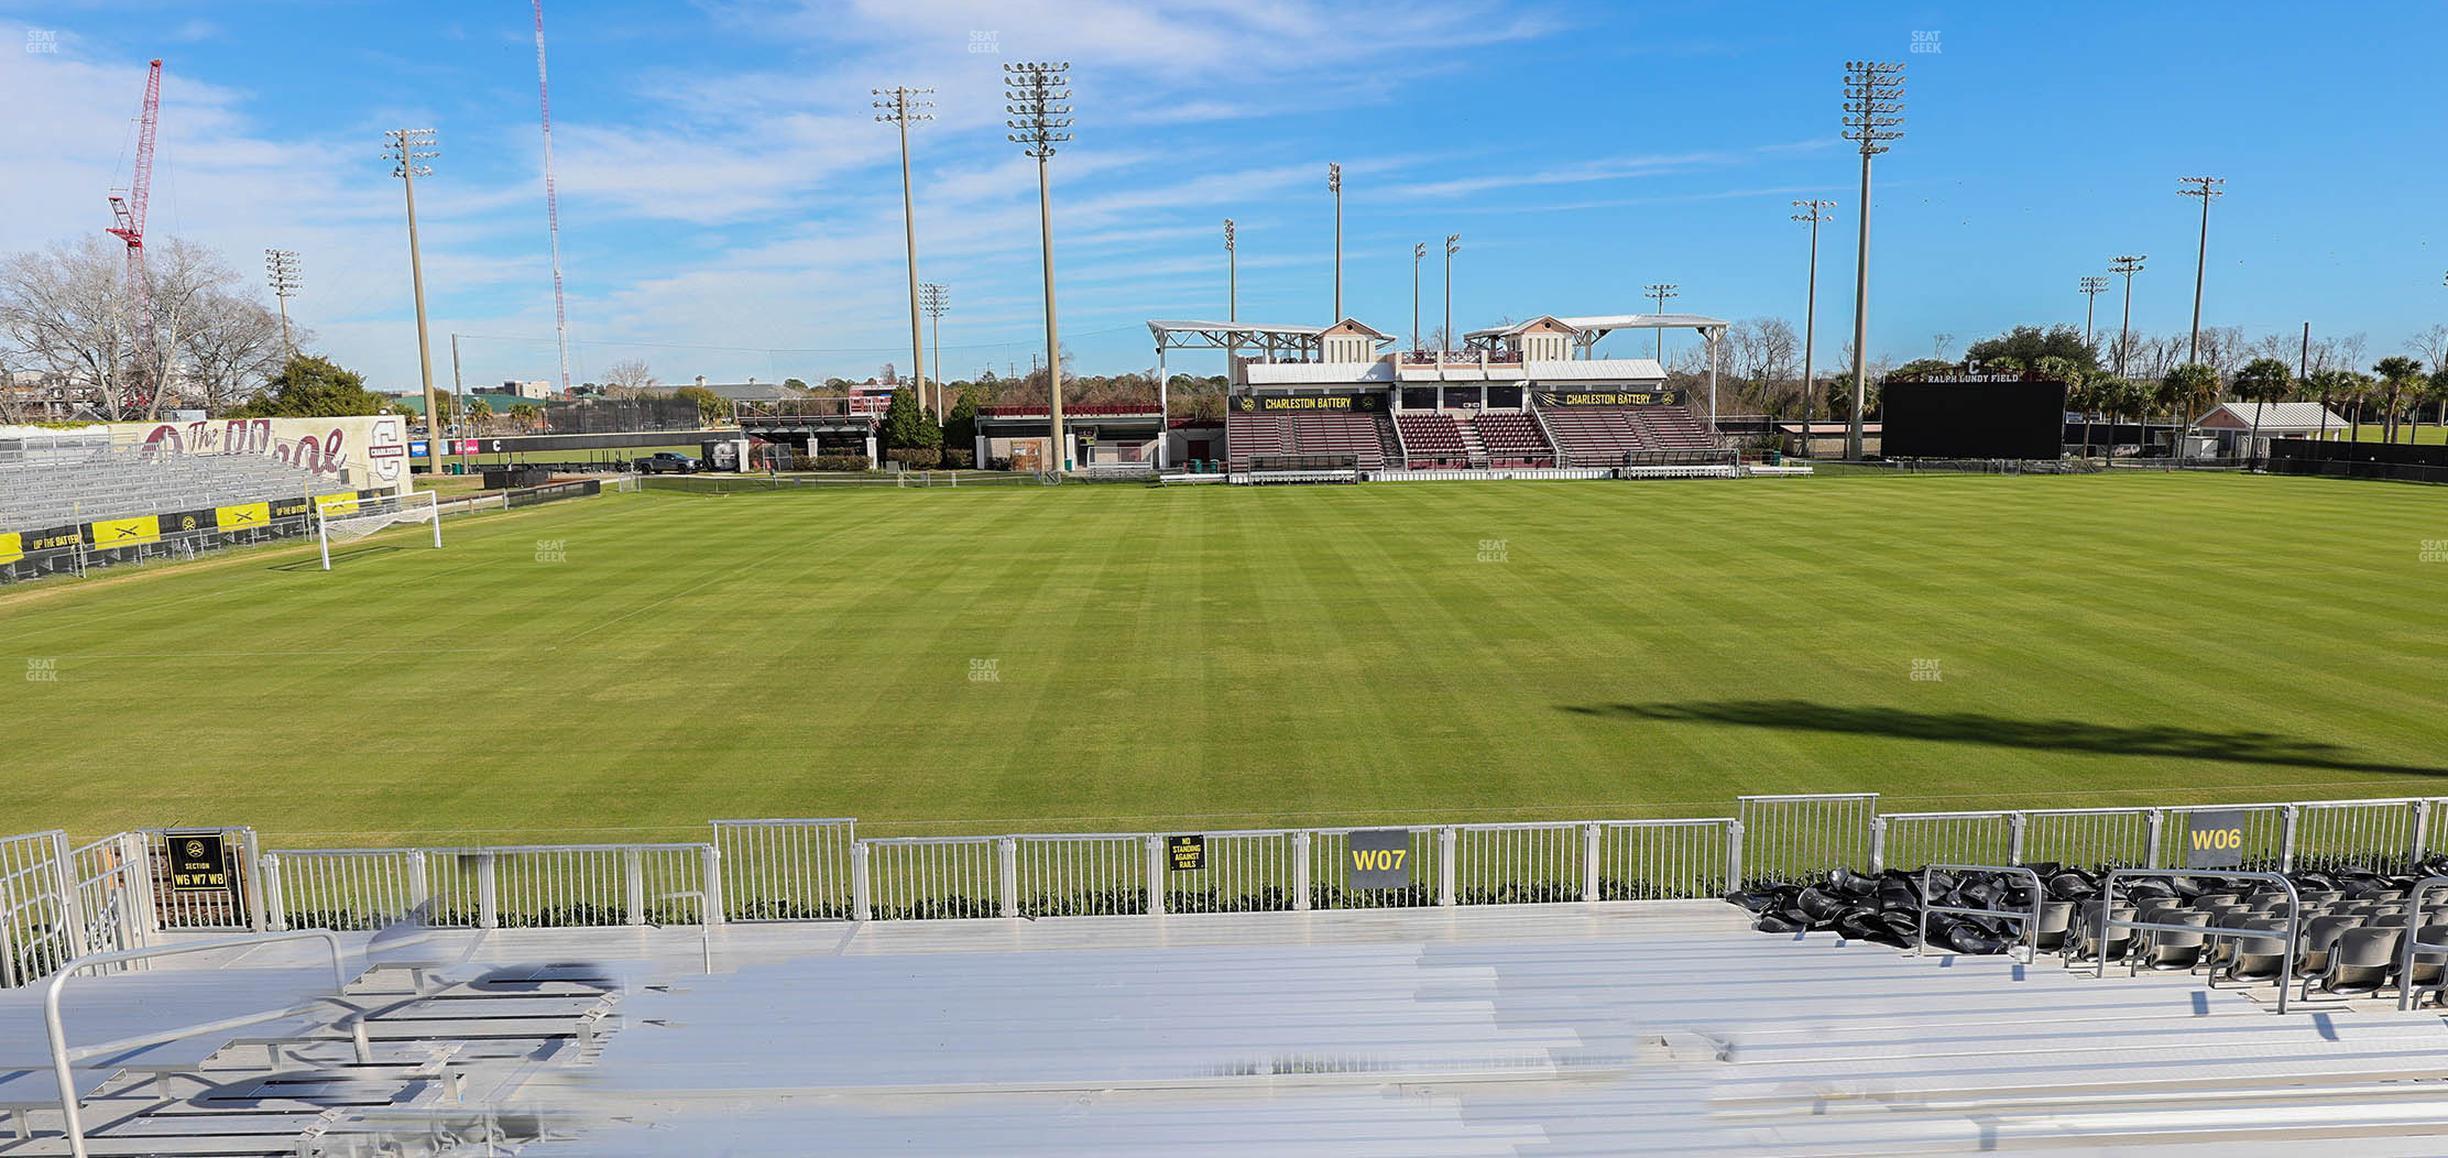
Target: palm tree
[(2083, 395), (2398, 375), (2057, 368), (2188, 389), (2261, 382), (2434, 391)]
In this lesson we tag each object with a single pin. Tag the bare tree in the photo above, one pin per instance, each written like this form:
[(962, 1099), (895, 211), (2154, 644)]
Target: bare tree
[(2432, 346), (67, 314), (629, 378), (232, 348)]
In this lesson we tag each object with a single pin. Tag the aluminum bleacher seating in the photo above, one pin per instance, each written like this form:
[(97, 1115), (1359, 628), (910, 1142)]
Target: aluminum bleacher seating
[(102, 483)]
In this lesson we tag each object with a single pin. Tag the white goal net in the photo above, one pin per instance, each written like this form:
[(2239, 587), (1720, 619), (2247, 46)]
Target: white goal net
[(346, 518)]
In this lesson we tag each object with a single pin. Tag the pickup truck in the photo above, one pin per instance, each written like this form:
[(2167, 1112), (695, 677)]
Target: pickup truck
[(665, 462)]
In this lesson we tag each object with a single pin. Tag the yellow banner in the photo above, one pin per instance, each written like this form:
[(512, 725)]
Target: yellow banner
[(330, 506), (12, 547), (243, 517), (135, 532)]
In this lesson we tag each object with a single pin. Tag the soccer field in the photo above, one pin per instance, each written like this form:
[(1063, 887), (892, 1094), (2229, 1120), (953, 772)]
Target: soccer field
[(1125, 658)]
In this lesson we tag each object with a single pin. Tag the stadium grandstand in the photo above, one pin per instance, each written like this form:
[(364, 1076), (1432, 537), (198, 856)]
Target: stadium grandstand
[(68, 504), (1318, 403), (1578, 986)]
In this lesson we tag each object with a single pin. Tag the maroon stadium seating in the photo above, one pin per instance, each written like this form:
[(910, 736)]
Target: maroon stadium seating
[(1431, 438), (1513, 439), (1367, 438)]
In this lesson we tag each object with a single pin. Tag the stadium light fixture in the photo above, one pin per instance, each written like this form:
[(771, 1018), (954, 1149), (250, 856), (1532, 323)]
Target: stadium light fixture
[(1037, 101), (408, 150), (281, 269), (2206, 188), (933, 299), (2127, 264), (1814, 211), (1453, 245), (1659, 291), (898, 106), (1334, 185), (1873, 114), (2093, 286)]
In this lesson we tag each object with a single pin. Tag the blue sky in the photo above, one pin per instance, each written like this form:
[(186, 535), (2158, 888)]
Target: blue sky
[(730, 208)]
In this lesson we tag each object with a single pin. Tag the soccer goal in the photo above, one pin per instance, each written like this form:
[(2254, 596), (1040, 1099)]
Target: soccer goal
[(346, 518)]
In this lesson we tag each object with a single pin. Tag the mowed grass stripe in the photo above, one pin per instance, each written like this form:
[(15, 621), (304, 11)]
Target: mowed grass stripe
[(1178, 658)]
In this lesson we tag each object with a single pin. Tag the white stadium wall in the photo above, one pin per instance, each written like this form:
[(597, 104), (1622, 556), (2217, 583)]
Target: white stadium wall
[(367, 452)]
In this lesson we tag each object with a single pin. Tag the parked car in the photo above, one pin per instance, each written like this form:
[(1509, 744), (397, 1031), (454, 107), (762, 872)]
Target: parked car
[(666, 462)]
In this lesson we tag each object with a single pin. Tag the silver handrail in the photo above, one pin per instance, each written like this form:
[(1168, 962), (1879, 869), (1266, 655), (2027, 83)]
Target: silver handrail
[(2029, 921), (2294, 926), (72, 1123), (2413, 938)]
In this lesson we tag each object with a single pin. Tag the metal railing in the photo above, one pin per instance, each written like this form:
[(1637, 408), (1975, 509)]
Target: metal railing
[(524, 886), (786, 870), (2097, 837), (1911, 840), (1795, 837), (2413, 942), (2109, 920), (2029, 922), (36, 929)]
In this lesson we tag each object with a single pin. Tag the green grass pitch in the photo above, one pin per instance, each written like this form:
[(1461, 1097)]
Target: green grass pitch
[(1116, 658)]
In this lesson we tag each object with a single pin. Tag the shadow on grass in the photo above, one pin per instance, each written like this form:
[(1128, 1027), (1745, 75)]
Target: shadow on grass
[(316, 563), (2238, 747)]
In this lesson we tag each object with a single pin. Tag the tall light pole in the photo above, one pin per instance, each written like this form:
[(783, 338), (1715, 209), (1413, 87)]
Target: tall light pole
[(1232, 292), (2093, 286), (1873, 113), (1334, 185), (1659, 291), (1419, 253), (1038, 101), (1814, 211), (933, 299), (282, 270), (2205, 188), (2126, 264), (898, 106), (408, 150), (1453, 245)]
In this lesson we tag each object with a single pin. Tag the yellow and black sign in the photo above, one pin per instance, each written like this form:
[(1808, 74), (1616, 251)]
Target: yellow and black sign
[(291, 508), (1380, 858), (12, 547), (336, 506), (199, 863), (1565, 398), (55, 539), (139, 531), (1186, 854), (2214, 840), (1298, 403), (243, 517), (186, 521)]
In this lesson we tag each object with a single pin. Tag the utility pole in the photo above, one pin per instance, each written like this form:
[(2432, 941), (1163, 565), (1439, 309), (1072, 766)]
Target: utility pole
[(281, 269), (2127, 264), (1453, 245), (408, 150), (1334, 185), (934, 301), (1660, 291), (1419, 253), (1814, 211), (2205, 188), (1232, 274), (1038, 99), (458, 388), (2092, 286), (899, 106), (1873, 113)]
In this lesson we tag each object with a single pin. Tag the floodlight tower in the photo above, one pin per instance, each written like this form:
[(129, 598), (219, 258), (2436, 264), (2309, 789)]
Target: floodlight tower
[(2126, 264), (1038, 107), (408, 150), (898, 106), (1873, 113), (282, 271), (1453, 245), (1232, 292), (2093, 286), (933, 299), (1814, 211), (2205, 188), (1334, 185), (1660, 291), (1419, 253)]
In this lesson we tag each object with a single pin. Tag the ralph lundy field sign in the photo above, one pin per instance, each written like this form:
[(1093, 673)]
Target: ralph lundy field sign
[(1380, 858)]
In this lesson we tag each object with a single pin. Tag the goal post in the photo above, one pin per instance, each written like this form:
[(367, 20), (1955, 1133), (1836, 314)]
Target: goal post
[(348, 517)]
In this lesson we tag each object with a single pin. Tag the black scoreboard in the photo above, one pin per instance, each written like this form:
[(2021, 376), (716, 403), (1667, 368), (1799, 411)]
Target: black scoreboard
[(1972, 417)]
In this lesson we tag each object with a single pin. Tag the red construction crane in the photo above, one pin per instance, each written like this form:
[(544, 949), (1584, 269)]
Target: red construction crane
[(130, 210), (130, 213)]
